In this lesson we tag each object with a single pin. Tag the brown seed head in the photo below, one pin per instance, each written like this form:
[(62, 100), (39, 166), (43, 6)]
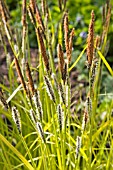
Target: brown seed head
[(90, 40), (66, 31), (30, 80), (43, 50), (71, 44), (20, 74), (60, 57)]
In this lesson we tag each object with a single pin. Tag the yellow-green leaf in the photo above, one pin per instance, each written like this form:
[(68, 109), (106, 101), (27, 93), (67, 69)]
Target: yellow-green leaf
[(28, 165), (105, 62), (77, 60)]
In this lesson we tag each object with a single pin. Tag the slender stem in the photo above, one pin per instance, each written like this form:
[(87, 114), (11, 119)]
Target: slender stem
[(27, 149), (90, 121)]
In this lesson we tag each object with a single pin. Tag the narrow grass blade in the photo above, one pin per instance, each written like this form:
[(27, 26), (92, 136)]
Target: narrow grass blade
[(77, 60), (95, 135), (83, 154), (2, 138), (105, 62), (14, 93)]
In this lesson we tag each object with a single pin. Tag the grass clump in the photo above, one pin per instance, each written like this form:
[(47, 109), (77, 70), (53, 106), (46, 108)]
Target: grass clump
[(39, 130)]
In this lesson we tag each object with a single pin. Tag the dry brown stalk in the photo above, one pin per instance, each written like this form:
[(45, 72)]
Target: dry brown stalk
[(90, 40), (30, 80), (60, 57), (20, 74), (43, 50), (66, 31), (71, 44)]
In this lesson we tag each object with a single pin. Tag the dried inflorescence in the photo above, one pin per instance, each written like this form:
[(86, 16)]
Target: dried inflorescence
[(66, 36), (36, 12), (30, 80), (71, 43), (43, 51), (90, 40), (60, 58), (20, 74), (68, 39)]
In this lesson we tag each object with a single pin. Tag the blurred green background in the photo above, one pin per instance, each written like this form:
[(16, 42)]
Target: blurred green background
[(79, 18)]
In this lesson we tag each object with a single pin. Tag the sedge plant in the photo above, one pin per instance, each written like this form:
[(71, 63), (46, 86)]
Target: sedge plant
[(38, 131)]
